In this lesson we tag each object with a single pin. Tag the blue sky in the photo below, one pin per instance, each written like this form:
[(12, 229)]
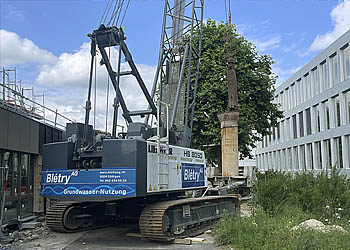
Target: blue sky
[(54, 35)]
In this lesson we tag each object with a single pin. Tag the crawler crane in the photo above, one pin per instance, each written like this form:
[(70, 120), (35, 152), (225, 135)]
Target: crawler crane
[(96, 178)]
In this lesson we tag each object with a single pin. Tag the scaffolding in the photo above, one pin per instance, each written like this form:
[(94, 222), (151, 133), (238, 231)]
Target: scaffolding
[(22, 100)]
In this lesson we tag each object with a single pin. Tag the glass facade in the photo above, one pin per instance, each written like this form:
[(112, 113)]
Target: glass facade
[(346, 62), (19, 193), (317, 114)]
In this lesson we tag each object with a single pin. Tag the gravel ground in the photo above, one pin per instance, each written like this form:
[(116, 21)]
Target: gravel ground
[(109, 238)]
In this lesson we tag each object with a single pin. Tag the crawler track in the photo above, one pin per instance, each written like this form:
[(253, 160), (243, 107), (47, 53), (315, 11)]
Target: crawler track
[(154, 221), (68, 216), (55, 214), (162, 221)]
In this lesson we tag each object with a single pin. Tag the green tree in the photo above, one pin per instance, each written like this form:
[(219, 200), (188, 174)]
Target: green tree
[(255, 91)]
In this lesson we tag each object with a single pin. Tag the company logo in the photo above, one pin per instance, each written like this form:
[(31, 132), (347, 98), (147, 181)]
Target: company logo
[(60, 178), (153, 149), (192, 175)]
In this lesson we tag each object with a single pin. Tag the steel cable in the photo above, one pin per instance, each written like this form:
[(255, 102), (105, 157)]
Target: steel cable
[(95, 96), (104, 13), (126, 9), (115, 12), (107, 94), (120, 6)]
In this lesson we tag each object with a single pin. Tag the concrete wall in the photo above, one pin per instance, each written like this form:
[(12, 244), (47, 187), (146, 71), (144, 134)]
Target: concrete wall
[(18, 133)]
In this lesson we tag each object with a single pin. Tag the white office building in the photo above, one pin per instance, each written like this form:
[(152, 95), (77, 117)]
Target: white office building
[(315, 131)]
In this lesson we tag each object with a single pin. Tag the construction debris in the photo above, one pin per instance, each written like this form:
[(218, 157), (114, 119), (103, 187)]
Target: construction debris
[(195, 240), (185, 241), (133, 235), (317, 225)]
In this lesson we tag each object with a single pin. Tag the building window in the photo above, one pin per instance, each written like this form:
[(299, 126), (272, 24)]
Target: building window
[(339, 152), (287, 129), (315, 82), (346, 62), (19, 193), (263, 142), (349, 111), (335, 69), (318, 152), (296, 155), (289, 98), (325, 77), (318, 120), (308, 121), (302, 157), (278, 131), (294, 126), (310, 156), (306, 87), (300, 92), (289, 159), (292, 93), (329, 153), (282, 101), (347, 140), (337, 105), (283, 157), (301, 124), (279, 159), (327, 118)]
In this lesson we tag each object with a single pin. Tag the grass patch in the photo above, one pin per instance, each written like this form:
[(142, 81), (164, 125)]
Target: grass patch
[(263, 231), (281, 201)]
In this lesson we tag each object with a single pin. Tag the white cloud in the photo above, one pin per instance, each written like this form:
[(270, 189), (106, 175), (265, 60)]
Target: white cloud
[(283, 73), (341, 20), (271, 43), (244, 28), (66, 84), (15, 50)]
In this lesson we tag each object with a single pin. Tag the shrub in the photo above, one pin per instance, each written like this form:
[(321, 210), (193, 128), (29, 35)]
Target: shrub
[(326, 195), (272, 189)]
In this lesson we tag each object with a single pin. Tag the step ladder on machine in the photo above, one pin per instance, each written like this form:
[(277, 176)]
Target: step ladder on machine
[(163, 153)]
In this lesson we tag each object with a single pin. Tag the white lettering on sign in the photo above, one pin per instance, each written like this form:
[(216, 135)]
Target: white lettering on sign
[(59, 178), (193, 154), (192, 175)]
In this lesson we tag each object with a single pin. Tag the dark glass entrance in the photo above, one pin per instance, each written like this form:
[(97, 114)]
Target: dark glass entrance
[(19, 193)]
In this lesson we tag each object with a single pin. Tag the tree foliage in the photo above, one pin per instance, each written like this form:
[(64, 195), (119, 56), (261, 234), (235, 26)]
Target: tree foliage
[(255, 91)]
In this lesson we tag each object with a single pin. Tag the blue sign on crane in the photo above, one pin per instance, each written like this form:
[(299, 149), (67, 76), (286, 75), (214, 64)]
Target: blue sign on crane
[(192, 175), (95, 182)]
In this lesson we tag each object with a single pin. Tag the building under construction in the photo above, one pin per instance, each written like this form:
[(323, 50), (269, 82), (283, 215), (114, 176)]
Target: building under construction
[(24, 128)]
